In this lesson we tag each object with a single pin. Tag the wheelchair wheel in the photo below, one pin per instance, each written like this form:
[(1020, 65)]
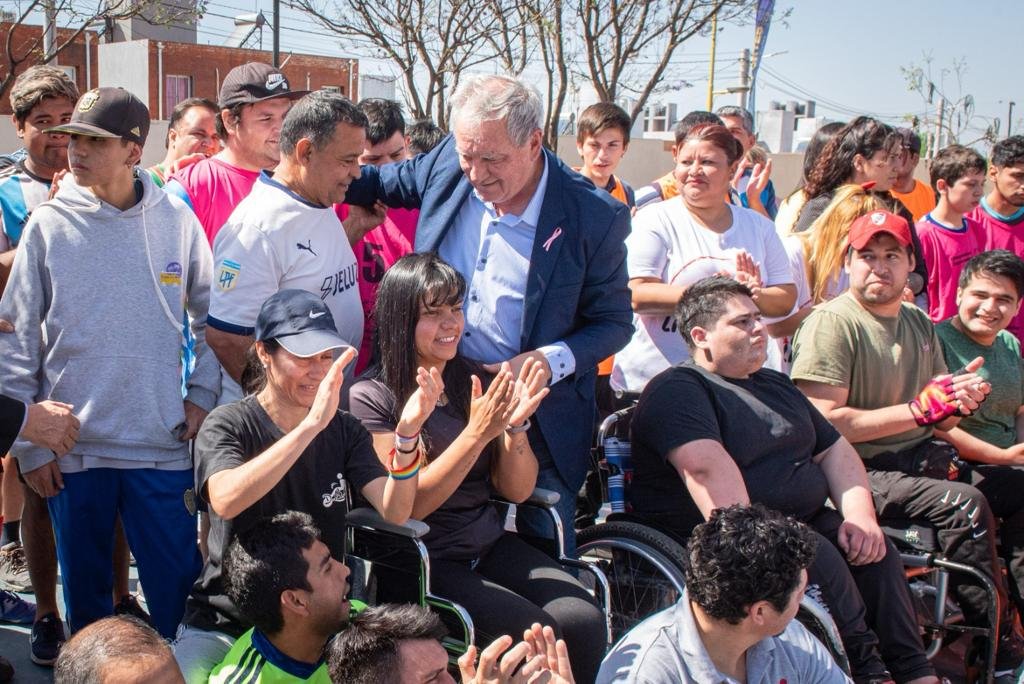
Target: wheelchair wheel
[(643, 566)]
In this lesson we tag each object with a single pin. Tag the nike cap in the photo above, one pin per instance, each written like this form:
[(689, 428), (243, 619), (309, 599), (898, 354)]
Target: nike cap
[(255, 82), (108, 113), (300, 322)]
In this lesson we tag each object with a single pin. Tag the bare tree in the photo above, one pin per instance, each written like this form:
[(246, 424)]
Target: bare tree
[(26, 44), (532, 33), (630, 43), (435, 40), (954, 119)]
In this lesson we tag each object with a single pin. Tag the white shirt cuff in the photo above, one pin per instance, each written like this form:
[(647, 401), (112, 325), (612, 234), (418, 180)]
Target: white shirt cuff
[(560, 359)]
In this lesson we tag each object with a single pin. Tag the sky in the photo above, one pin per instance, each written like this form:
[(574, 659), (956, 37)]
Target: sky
[(845, 55)]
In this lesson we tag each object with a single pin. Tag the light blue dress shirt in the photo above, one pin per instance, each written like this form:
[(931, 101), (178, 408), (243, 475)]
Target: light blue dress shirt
[(493, 254)]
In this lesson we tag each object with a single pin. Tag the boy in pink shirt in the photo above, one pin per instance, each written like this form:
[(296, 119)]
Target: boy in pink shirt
[(948, 238), (393, 237), (1001, 212), (254, 99)]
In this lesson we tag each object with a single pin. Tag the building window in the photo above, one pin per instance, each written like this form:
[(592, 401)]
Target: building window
[(659, 118), (176, 89)]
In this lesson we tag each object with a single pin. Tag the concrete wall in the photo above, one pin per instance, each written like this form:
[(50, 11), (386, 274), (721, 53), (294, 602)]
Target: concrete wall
[(648, 159), (132, 67)]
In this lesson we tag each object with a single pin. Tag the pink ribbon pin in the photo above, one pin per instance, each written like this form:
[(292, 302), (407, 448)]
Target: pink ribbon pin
[(554, 236)]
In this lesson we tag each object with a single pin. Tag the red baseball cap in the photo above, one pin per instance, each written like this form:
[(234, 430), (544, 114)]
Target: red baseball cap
[(870, 225)]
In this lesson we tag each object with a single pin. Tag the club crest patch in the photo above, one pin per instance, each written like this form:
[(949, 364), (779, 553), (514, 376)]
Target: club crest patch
[(88, 100), (228, 274), (171, 275)]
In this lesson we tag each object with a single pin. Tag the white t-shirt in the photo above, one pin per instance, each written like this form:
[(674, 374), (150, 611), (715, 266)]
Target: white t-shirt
[(780, 349), (668, 244), (276, 240)]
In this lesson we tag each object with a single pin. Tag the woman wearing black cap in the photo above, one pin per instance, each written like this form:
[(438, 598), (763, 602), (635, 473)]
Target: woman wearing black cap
[(476, 445), (286, 446)]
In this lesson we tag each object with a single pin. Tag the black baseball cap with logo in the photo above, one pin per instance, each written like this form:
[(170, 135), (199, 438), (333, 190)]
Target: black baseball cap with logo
[(108, 113), (300, 321), (255, 82)]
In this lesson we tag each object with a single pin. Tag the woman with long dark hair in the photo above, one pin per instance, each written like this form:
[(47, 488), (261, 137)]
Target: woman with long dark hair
[(475, 445), (863, 151), (790, 208)]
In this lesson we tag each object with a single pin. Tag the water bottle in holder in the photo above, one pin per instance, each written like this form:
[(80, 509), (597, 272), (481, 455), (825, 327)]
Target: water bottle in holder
[(620, 471)]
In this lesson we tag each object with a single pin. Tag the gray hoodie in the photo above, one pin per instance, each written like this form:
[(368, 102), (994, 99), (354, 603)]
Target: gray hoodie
[(102, 301)]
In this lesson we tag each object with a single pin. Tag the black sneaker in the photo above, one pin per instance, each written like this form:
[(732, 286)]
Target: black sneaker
[(47, 638), (129, 605)]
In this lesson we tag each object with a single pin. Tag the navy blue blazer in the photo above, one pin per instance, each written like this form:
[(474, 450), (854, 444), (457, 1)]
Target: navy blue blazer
[(576, 288)]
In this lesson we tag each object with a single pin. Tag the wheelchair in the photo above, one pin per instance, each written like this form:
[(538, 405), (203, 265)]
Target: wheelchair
[(928, 574), (396, 555), (644, 565)]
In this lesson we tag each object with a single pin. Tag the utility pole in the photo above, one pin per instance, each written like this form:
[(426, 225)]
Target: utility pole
[(49, 31), (940, 112), (711, 74), (744, 77), (1009, 119), (277, 34)]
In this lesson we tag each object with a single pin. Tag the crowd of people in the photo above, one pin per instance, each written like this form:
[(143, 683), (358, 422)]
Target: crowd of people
[(308, 306)]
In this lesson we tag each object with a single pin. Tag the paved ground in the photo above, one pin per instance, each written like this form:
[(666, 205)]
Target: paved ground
[(14, 644)]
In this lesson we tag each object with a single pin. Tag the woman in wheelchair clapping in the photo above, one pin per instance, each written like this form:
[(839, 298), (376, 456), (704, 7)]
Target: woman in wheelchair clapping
[(474, 445)]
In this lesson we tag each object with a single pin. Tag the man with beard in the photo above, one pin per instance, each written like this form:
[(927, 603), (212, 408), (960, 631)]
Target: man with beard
[(873, 365)]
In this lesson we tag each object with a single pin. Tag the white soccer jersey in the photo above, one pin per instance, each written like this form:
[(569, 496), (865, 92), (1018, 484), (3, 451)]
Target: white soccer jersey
[(276, 240)]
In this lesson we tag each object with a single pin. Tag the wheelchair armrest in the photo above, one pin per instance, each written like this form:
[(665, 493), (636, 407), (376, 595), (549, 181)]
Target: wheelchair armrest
[(543, 498), (369, 518)]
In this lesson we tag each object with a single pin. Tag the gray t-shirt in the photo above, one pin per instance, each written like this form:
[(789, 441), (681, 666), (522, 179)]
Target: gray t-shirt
[(666, 649)]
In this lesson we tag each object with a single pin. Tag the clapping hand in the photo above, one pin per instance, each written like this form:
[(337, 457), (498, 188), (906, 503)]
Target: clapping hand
[(530, 390), (421, 403)]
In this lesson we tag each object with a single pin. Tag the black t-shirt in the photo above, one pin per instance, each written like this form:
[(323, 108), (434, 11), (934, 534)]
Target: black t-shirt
[(764, 422), (466, 525), (341, 456)]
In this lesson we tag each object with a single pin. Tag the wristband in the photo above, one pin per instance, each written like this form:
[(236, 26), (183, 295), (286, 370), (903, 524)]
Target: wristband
[(399, 439), (935, 403), (516, 429), (407, 472)]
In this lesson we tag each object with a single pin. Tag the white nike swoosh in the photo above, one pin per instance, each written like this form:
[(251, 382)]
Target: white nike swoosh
[(313, 314)]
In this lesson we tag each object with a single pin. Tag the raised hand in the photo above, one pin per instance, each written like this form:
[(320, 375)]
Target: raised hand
[(422, 402), (490, 412), (530, 390), (748, 272), (325, 405)]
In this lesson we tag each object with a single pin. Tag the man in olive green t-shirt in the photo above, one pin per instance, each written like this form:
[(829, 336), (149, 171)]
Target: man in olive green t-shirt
[(988, 297), (872, 365)]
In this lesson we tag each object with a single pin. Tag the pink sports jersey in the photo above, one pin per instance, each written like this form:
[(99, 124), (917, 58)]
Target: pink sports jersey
[(1001, 235), (945, 251), (214, 189), (376, 252)]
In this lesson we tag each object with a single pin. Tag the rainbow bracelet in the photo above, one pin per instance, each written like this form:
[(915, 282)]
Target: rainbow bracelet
[(403, 473)]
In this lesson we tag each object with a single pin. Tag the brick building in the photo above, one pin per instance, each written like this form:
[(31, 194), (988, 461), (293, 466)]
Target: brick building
[(162, 73), (187, 69), (72, 60)]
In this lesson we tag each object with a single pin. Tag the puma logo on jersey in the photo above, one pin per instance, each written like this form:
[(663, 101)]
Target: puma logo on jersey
[(308, 247)]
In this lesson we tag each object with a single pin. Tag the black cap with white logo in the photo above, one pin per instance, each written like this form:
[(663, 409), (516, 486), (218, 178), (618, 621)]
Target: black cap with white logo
[(254, 82), (300, 322), (108, 113)]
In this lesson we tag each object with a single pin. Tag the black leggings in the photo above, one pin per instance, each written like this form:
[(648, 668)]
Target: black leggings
[(515, 585)]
